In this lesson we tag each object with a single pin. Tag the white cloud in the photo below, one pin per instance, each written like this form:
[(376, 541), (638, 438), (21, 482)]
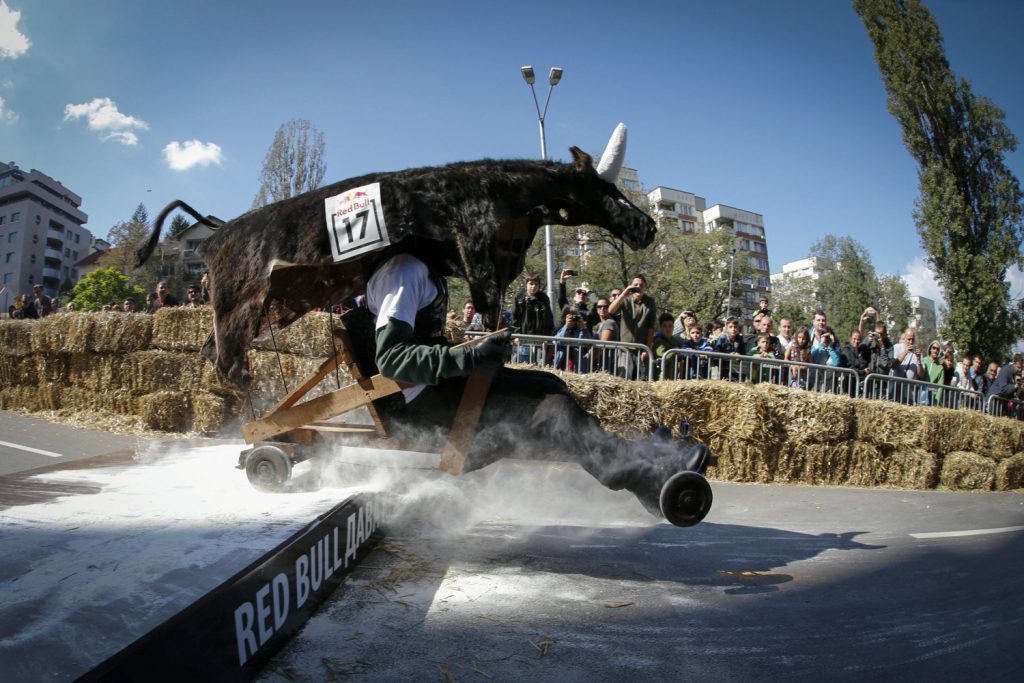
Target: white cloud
[(102, 115), (181, 156), (6, 115), (921, 281), (13, 42)]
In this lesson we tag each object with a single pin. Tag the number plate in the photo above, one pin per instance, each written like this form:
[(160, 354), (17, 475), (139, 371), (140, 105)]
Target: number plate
[(355, 222)]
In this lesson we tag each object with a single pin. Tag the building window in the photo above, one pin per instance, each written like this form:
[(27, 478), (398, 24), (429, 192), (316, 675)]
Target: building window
[(16, 216)]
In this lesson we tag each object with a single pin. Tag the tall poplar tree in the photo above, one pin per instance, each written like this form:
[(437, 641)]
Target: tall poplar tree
[(294, 163), (970, 207)]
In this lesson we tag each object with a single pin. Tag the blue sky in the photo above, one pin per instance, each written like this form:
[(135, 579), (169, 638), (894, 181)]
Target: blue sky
[(770, 106)]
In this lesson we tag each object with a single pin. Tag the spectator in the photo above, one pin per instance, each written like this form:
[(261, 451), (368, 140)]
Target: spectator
[(637, 322), (1004, 383), (765, 372), (731, 342), (799, 351), (685, 320), (820, 327), (907, 363), (696, 367), (607, 330), (663, 341), (470, 318), (164, 296), (532, 314), (40, 305), (531, 311), (879, 351), (572, 357), (195, 297), (785, 334), (204, 283), (982, 379), (128, 306), (855, 355)]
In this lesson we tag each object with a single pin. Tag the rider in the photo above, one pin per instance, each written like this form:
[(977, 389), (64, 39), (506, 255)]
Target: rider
[(527, 413)]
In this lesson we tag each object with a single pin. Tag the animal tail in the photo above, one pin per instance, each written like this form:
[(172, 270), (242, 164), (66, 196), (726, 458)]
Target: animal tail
[(144, 251)]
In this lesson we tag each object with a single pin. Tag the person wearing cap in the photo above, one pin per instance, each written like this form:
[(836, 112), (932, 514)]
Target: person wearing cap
[(685, 321)]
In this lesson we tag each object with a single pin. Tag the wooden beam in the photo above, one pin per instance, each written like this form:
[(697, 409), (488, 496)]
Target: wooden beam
[(322, 407), (460, 438)]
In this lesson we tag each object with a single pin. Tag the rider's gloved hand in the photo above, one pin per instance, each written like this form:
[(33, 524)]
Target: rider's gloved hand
[(491, 353)]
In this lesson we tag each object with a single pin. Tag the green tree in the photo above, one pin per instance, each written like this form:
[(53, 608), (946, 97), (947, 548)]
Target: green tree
[(795, 298), (893, 305), (179, 224), (102, 286), (970, 207), (848, 285), (294, 163)]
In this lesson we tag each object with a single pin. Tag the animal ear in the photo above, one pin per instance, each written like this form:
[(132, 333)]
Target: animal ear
[(581, 161)]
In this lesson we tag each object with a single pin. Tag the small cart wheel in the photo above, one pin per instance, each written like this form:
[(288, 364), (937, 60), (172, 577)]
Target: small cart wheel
[(268, 468), (685, 498)]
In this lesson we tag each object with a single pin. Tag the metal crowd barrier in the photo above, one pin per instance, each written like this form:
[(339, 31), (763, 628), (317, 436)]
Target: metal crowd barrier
[(583, 356), (918, 392), (693, 364)]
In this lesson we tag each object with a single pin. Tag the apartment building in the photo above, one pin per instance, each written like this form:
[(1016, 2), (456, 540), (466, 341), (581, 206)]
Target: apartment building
[(41, 233)]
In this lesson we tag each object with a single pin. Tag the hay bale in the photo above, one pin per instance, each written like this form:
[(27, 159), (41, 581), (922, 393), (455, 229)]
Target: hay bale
[(824, 464), (809, 416), (993, 437), (1010, 473), (97, 332), (911, 469), (719, 409), (868, 464), (741, 460), (888, 424), (16, 337), (209, 412), (944, 430), (165, 410), (629, 409), (18, 371), (966, 471), (308, 336), (110, 400), (181, 329)]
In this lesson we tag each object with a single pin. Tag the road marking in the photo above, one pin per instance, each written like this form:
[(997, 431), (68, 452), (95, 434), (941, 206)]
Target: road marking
[(49, 454), (969, 532)]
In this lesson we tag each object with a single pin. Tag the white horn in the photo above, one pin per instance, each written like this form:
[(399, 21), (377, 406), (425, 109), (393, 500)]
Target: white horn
[(614, 154)]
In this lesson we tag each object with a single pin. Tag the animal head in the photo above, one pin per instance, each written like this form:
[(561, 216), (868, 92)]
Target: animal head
[(593, 198)]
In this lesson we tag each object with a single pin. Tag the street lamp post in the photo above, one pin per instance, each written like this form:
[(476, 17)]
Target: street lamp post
[(553, 78), (732, 262)]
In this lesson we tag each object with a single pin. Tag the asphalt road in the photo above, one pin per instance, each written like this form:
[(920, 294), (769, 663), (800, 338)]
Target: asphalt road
[(27, 443), (538, 573), (534, 571)]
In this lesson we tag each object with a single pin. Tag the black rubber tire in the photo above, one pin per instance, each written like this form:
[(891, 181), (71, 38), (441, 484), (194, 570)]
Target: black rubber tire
[(685, 498), (268, 468)]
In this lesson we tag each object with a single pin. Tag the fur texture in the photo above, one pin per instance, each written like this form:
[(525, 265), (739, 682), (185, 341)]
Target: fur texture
[(474, 220)]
